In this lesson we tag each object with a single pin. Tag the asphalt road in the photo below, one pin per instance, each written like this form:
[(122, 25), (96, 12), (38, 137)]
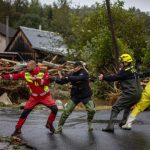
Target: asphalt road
[(75, 135)]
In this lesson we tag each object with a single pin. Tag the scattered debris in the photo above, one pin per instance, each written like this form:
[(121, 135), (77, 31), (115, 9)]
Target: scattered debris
[(14, 143), (7, 66), (112, 97), (14, 88), (4, 99)]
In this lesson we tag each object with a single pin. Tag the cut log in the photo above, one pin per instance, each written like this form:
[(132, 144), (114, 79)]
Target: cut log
[(51, 65), (9, 61), (19, 66)]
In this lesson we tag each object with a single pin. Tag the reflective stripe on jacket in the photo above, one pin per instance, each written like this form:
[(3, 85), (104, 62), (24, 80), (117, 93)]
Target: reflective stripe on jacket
[(38, 87), (31, 83)]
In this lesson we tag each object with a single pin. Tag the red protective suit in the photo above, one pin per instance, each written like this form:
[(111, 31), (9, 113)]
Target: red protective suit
[(38, 82)]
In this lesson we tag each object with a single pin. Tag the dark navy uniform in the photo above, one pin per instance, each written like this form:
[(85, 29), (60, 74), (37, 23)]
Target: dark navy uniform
[(80, 92), (131, 93)]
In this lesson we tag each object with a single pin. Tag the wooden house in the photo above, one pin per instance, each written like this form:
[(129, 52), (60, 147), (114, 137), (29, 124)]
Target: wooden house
[(37, 44)]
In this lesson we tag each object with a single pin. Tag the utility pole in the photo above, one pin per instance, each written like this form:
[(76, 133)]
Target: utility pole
[(111, 26), (7, 30)]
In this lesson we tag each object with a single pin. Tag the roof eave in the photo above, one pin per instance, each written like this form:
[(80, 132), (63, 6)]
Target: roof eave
[(49, 51)]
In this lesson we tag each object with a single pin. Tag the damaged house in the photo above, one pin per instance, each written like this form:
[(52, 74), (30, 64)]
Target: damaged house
[(37, 44)]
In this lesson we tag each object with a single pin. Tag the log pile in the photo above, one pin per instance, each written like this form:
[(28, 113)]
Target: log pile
[(6, 65), (112, 97), (57, 69), (9, 66), (14, 88)]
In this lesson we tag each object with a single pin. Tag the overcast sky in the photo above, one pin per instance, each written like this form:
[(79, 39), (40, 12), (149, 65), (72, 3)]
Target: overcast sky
[(143, 5)]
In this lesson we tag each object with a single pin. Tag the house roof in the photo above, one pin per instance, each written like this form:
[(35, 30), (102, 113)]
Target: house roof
[(45, 40), (3, 30)]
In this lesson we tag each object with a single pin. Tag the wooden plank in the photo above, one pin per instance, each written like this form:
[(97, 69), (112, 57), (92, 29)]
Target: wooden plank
[(52, 65), (54, 58), (9, 61)]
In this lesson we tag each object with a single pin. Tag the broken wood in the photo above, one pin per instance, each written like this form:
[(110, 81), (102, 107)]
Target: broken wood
[(54, 58), (9, 61), (51, 65)]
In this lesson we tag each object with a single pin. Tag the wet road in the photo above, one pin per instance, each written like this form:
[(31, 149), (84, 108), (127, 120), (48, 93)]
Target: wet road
[(75, 135)]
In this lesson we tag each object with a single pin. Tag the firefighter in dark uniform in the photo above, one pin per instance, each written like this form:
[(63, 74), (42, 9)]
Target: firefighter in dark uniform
[(80, 92), (131, 90)]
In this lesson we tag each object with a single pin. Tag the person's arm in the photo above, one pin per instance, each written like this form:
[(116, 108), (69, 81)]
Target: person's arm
[(82, 76), (14, 76), (144, 74), (121, 75), (61, 80)]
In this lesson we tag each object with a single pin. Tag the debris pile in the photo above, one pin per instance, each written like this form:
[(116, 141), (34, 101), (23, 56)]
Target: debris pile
[(9, 66), (6, 65), (14, 143), (14, 88), (111, 97), (57, 69)]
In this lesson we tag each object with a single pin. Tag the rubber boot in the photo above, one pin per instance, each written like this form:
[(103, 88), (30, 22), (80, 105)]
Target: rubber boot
[(17, 132), (67, 111), (58, 130), (62, 120), (50, 127), (124, 118), (129, 123), (90, 108), (110, 126)]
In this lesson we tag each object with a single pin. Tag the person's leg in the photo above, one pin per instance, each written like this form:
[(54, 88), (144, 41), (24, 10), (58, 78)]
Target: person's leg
[(50, 103), (111, 123), (90, 108), (116, 108), (139, 107), (51, 118), (125, 101), (125, 117), (67, 111), (27, 109)]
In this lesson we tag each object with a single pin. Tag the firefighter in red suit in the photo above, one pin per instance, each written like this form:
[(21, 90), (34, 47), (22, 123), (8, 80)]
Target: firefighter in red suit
[(37, 82)]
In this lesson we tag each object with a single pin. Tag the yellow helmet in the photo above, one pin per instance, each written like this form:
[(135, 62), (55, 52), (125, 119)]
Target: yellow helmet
[(125, 58)]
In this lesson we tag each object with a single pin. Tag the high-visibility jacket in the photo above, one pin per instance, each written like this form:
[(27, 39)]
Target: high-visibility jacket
[(37, 87)]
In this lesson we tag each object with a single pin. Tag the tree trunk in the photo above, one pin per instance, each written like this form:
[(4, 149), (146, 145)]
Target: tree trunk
[(114, 41)]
